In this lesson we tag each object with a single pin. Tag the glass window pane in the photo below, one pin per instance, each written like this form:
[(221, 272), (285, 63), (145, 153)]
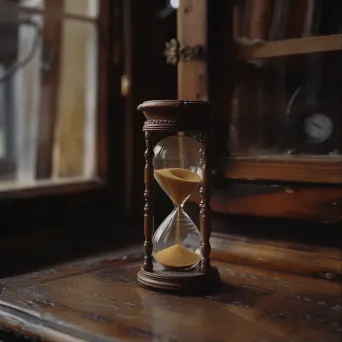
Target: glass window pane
[(89, 8), (48, 92), (82, 7)]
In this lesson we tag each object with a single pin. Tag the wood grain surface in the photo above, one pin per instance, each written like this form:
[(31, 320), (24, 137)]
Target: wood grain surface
[(293, 201), (98, 300)]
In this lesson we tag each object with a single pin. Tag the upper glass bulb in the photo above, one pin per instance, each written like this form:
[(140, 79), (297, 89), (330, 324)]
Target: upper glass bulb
[(177, 167)]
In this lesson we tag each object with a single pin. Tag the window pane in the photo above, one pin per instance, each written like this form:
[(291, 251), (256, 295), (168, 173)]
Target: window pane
[(287, 94), (82, 7), (48, 84), (88, 8)]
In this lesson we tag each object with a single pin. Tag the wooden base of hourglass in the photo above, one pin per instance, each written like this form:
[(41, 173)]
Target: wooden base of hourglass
[(189, 282)]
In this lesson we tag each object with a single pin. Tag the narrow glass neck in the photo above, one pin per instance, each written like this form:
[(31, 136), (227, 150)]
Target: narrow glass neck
[(179, 207)]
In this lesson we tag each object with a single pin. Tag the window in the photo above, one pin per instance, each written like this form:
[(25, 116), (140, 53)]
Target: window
[(48, 92)]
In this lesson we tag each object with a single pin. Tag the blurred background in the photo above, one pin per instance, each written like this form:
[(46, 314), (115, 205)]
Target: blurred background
[(72, 73)]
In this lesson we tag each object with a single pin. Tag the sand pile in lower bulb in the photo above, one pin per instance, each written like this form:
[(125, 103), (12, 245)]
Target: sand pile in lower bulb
[(178, 183), (177, 256)]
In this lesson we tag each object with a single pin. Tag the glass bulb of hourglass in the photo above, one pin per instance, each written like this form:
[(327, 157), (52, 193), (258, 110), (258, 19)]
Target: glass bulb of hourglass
[(178, 171)]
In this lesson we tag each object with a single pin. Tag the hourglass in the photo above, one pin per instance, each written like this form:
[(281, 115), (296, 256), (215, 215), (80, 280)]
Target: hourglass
[(178, 170), (177, 255)]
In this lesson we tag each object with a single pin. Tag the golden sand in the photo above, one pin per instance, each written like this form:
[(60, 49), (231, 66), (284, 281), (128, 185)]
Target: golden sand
[(177, 256), (178, 183)]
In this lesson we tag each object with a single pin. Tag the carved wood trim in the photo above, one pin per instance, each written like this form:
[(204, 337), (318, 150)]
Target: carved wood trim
[(177, 115), (205, 211), (148, 209)]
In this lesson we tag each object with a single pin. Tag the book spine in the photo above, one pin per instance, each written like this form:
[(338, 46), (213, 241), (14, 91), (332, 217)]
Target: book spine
[(260, 15), (279, 20), (247, 18), (316, 22), (298, 13), (308, 19)]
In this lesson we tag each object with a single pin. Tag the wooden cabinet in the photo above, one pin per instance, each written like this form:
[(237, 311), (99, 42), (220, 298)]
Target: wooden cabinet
[(285, 114), (274, 69)]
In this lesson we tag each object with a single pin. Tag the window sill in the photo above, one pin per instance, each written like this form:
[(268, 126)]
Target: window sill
[(11, 190)]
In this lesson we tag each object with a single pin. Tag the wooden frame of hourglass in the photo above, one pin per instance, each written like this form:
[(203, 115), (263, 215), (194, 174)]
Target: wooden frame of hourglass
[(170, 117)]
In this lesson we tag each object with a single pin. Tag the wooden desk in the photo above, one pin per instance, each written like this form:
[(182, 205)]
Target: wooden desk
[(98, 300)]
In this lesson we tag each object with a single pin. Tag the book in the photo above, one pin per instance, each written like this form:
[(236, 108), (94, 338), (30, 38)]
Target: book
[(308, 18), (247, 18), (279, 20), (315, 27), (301, 13), (259, 18)]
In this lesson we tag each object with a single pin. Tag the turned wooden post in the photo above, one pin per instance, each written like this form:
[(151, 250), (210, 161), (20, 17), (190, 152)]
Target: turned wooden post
[(205, 211), (148, 209)]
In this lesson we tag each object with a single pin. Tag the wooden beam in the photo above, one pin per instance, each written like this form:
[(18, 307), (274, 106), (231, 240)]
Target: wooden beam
[(290, 47), (192, 30)]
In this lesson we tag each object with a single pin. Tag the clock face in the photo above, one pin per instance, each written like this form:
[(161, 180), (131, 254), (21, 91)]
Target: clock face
[(318, 127)]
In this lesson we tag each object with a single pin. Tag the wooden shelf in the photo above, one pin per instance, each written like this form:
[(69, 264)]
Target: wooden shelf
[(285, 168), (272, 200), (290, 47)]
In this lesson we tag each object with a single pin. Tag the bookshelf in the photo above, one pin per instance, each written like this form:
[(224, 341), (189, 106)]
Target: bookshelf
[(286, 89), (289, 47)]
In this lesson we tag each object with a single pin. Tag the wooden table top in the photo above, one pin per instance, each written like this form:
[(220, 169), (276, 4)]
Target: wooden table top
[(98, 300)]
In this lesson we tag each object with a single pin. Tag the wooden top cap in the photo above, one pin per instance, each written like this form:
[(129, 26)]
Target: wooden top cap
[(178, 115)]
